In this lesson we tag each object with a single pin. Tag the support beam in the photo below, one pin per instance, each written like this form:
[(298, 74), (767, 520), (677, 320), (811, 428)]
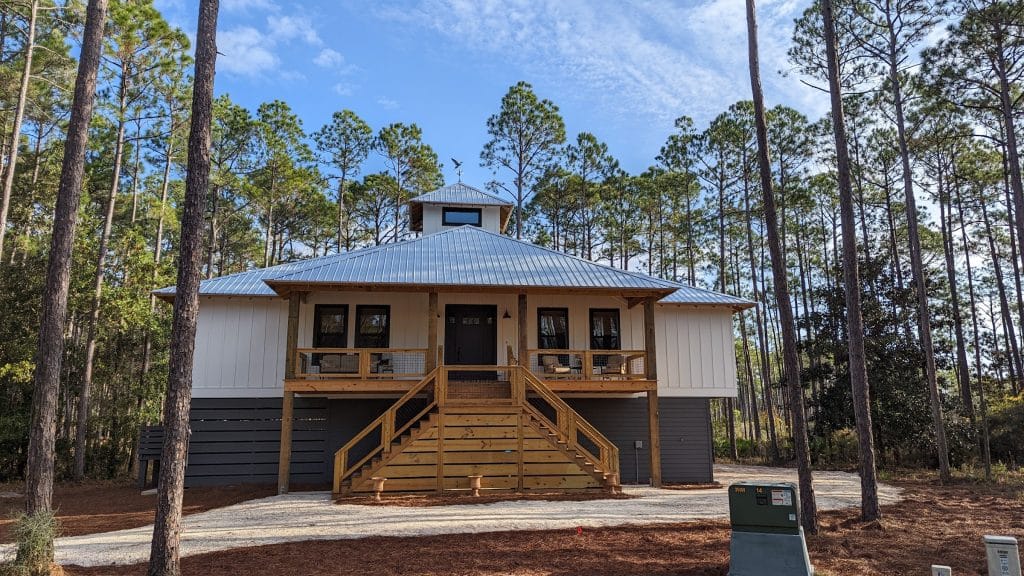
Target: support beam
[(292, 340), (651, 365), (524, 356), (431, 360), (285, 458), (284, 461)]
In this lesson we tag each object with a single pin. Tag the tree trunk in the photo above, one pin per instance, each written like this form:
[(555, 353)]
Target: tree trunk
[(81, 431), (861, 388), (164, 554), (46, 379), (924, 326), (19, 114), (1004, 305), (963, 373), (808, 506)]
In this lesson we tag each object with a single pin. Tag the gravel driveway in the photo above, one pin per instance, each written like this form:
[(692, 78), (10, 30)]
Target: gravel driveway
[(311, 516)]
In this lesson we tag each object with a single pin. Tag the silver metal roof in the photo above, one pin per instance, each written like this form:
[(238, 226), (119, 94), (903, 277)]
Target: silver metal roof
[(471, 256), (464, 256), (460, 193), (687, 294)]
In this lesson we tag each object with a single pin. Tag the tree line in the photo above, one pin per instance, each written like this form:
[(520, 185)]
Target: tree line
[(880, 242)]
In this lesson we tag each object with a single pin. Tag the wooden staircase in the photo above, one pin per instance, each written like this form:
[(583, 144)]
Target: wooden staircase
[(513, 431)]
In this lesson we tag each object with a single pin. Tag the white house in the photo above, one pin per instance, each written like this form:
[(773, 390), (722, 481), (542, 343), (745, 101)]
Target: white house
[(460, 353)]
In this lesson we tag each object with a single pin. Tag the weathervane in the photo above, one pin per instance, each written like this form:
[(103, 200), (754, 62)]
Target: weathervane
[(458, 168)]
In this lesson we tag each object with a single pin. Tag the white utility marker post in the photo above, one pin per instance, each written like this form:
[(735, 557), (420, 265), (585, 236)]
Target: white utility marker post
[(941, 570), (1003, 556)]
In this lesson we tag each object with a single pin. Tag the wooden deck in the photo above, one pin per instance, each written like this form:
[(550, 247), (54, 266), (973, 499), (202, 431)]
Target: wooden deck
[(381, 386)]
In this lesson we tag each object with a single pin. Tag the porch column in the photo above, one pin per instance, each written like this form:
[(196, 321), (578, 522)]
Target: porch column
[(524, 357), (431, 361), (288, 399), (651, 365)]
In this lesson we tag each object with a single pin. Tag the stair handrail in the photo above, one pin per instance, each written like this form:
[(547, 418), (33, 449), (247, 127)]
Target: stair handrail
[(569, 422), (386, 423)]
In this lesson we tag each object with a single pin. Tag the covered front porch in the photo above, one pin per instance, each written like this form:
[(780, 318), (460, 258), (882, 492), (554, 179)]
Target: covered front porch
[(597, 343)]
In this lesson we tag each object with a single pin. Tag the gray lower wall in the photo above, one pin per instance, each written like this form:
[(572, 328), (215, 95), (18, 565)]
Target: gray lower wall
[(237, 440), (686, 452)]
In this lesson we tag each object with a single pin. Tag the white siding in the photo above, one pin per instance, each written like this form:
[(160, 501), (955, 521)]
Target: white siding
[(240, 343), (240, 348), (490, 217), (696, 351)]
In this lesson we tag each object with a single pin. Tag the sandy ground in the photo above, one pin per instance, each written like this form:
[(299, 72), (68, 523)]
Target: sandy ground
[(310, 516)]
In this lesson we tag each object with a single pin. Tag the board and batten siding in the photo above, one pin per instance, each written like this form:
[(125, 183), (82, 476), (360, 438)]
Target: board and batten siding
[(240, 346), (696, 351), (240, 343)]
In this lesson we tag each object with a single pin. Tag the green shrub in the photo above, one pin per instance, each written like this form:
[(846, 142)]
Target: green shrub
[(35, 535)]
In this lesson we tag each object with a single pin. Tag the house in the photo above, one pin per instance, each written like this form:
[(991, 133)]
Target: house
[(460, 353)]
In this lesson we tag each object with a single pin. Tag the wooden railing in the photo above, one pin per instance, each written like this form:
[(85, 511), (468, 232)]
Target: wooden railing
[(505, 384), (588, 364), (361, 363), (569, 423), (389, 427)]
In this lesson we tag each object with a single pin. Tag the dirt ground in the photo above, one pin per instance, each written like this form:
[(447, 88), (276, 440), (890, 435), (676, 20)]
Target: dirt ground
[(96, 506), (933, 524)]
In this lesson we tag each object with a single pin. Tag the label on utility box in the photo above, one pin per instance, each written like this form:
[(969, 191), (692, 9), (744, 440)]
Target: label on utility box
[(782, 498)]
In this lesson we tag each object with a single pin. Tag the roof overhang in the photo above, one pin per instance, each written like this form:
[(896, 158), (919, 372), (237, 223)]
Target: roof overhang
[(284, 288)]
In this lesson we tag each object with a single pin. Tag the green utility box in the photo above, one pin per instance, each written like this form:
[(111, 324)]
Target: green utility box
[(767, 539)]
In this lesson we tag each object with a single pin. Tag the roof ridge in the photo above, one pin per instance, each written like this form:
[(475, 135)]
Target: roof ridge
[(464, 185)]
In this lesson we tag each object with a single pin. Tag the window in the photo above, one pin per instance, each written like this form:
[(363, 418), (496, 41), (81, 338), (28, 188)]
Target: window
[(373, 326), (553, 328), (604, 329), (461, 216), (330, 326)]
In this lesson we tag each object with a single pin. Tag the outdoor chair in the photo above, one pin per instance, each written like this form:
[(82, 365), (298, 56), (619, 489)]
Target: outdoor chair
[(553, 366), (616, 365)]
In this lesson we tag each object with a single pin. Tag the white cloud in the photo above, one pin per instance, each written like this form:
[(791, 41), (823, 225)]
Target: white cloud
[(246, 6), (253, 52), (286, 28), (342, 89), (387, 103), (328, 58), (246, 52), (657, 58)]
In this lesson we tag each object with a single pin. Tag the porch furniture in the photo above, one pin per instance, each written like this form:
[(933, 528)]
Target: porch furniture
[(552, 365), (339, 364), (151, 442), (616, 364)]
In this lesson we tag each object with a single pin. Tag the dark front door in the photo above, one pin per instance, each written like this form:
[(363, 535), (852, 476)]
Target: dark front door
[(471, 337)]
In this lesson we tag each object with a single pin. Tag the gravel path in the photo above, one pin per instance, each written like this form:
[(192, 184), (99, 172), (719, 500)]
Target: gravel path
[(310, 516)]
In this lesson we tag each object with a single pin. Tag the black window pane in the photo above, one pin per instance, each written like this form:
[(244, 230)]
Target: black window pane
[(553, 328), (373, 326), (461, 216), (604, 329), (330, 326)]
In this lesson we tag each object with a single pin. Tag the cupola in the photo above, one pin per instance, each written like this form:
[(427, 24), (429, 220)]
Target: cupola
[(458, 205)]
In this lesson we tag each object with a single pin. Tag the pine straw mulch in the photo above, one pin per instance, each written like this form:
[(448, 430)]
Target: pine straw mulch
[(100, 506), (450, 498), (933, 525)]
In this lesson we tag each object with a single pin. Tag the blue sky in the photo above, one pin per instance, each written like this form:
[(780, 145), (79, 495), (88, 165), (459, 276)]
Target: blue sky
[(623, 71)]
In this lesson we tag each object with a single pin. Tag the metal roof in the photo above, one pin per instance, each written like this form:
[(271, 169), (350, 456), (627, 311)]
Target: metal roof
[(687, 294), (464, 256), (460, 193), (471, 256)]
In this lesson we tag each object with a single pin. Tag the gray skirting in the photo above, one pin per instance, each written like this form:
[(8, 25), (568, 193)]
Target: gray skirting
[(237, 440)]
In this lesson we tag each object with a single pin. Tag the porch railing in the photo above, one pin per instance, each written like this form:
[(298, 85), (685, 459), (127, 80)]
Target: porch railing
[(588, 364), (360, 363)]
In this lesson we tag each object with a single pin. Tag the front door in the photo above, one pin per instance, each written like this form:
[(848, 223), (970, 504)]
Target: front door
[(471, 337)]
